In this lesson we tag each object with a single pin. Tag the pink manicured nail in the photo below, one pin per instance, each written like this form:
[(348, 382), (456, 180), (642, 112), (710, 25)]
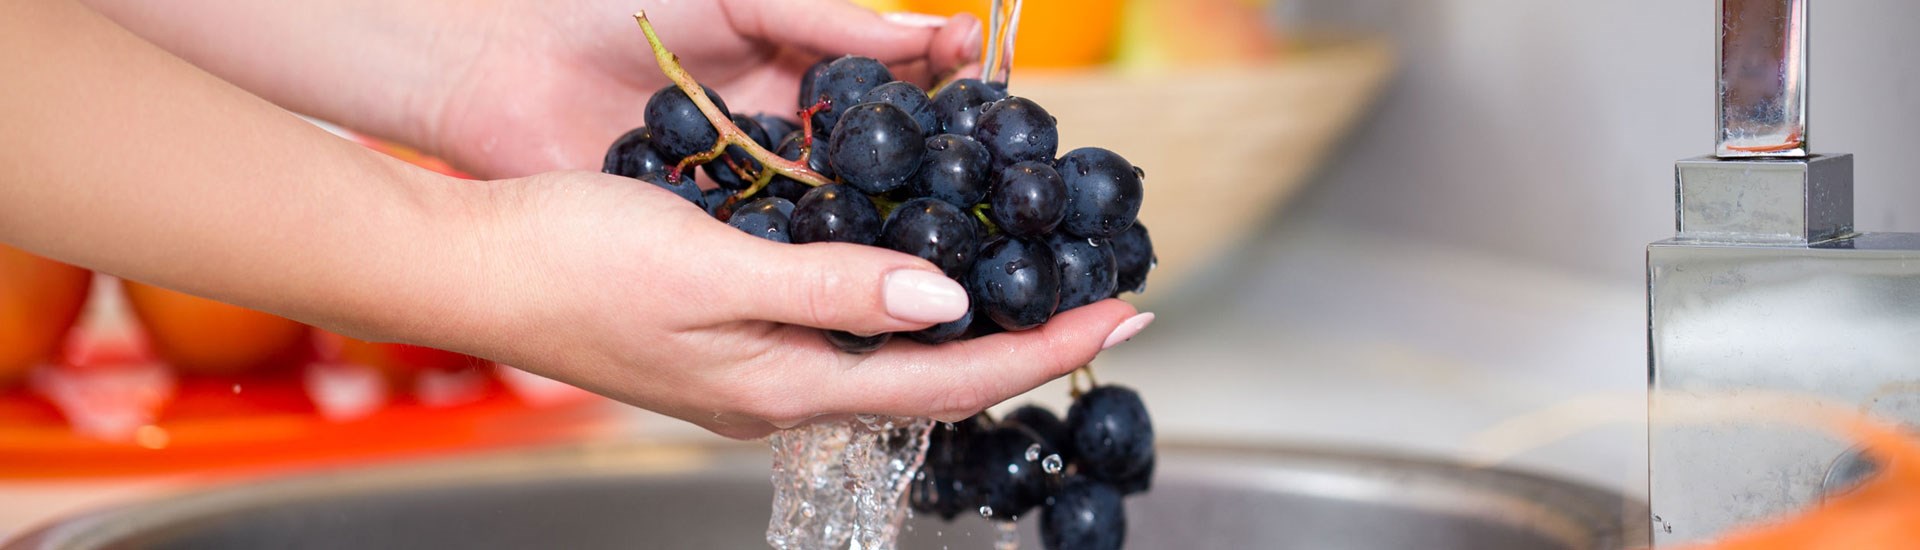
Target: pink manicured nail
[(914, 19), (1127, 330), (923, 297)]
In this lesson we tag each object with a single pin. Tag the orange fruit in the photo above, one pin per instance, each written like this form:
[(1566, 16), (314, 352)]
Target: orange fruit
[(1053, 33), (39, 301), (201, 336)]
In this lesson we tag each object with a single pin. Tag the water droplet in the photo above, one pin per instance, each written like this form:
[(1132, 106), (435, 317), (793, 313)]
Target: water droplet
[(986, 511), (1033, 452), (1052, 464)]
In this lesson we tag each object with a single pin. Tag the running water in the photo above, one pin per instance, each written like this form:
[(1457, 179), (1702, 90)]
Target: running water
[(842, 484)]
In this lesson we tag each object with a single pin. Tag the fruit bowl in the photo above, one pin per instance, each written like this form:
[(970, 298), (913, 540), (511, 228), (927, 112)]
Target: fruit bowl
[(1224, 146), (632, 495)]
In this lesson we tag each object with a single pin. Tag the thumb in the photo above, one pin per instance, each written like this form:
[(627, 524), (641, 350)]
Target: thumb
[(854, 288), (834, 27)]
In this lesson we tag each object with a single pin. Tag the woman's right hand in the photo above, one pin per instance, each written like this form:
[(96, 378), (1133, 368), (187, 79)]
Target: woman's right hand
[(627, 290)]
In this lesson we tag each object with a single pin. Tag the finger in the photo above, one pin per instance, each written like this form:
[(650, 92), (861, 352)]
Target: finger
[(738, 428), (839, 28), (956, 44), (914, 72), (854, 288), (953, 381)]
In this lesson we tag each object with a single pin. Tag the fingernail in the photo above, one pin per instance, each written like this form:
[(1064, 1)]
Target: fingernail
[(970, 50), (923, 297), (914, 19), (1127, 330)]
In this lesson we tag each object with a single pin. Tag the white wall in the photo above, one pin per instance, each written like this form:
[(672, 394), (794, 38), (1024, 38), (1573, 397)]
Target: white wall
[(1547, 128)]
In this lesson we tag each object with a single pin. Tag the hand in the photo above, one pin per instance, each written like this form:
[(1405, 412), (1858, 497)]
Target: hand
[(542, 86), (626, 290)]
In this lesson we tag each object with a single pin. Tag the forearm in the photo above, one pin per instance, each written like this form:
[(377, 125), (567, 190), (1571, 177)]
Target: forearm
[(120, 157), (376, 66)]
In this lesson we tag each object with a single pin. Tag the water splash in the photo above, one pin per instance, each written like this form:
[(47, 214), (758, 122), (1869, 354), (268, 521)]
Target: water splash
[(841, 484)]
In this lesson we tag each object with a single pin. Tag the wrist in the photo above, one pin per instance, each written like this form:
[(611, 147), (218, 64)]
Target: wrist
[(479, 284)]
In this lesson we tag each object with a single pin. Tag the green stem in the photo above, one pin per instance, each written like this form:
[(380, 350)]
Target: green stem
[(980, 213), (729, 134), (697, 159)]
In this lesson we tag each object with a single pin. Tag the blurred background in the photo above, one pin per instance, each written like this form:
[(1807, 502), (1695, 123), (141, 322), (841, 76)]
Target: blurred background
[(1384, 224)]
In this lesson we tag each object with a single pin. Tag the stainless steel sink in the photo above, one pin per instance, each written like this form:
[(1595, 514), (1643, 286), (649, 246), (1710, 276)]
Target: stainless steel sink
[(632, 496)]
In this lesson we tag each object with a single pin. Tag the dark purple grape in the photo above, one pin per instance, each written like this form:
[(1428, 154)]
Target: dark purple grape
[(1016, 129), (853, 343), (1012, 478), (945, 485), (789, 188), (876, 147), (713, 199), (766, 218), (807, 96), (1085, 515), (1016, 283), (1140, 481), (1050, 428), (835, 213), (935, 231), (1103, 192), (1133, 259), (633, 156), (684, 188), (776, 128), (983, 326), (843, 81), (679, 129), (817, 162), (1112, 433), (957, 106), (1028, 200), (723, 174), (907, 97), (944, 332), (955, 170), (1088, 272)]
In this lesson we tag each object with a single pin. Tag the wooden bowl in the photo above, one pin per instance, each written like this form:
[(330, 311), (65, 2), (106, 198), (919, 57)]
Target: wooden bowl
[(1223, 147)]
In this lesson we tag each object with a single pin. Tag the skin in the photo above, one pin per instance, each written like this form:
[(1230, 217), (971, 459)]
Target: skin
[(120, 156)]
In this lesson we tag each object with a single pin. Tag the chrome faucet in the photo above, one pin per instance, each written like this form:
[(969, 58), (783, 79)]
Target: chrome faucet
[(1767, 288)]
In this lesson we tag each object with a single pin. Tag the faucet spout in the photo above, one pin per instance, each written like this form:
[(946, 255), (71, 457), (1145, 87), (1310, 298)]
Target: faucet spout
[(1762, 88)]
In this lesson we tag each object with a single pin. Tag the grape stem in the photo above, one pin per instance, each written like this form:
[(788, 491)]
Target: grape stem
[(1073, 380), (980, 213), (806, 128), (729, 134)]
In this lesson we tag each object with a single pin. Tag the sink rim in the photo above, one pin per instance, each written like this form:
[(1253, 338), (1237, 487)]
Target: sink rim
[(1568, 511)]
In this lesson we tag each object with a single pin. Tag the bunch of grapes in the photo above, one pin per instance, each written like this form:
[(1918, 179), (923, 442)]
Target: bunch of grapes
[(970, 179), (1075, 471)]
